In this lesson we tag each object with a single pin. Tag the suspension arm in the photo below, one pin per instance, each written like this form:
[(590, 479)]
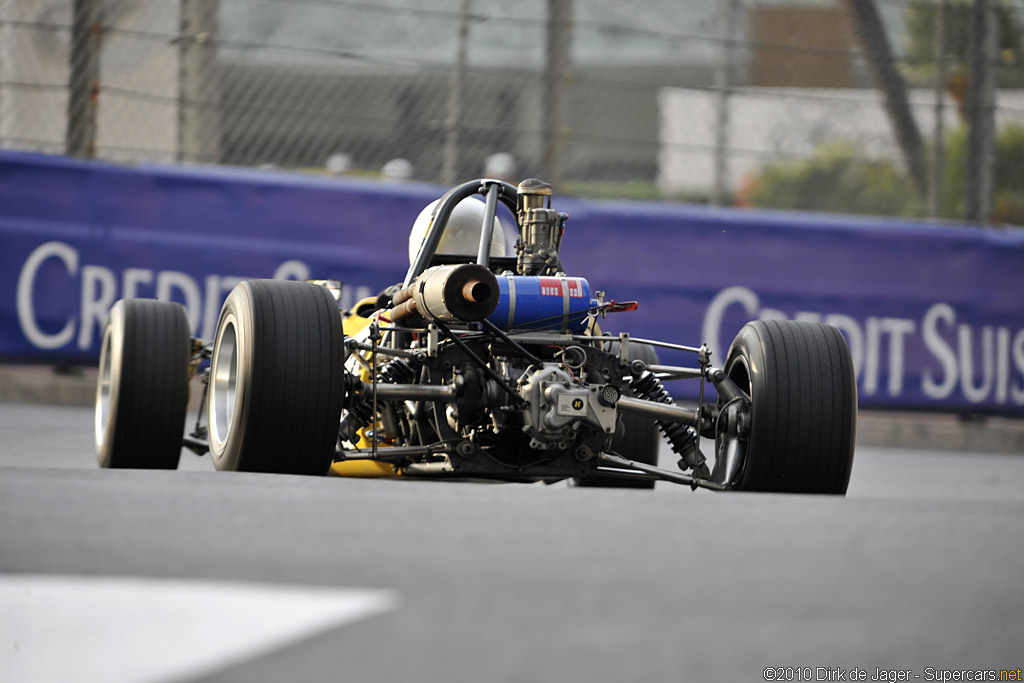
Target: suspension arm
[(659, 411), (668, 372), (618, 462), (389, 453), (356, 345), (415, 392)]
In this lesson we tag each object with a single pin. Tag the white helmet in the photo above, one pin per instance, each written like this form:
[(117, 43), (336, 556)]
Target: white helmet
[(462, 234)]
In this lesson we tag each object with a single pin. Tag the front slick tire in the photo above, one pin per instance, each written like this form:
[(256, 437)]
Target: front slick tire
[(799, 376), (142, 389), (276, 379)]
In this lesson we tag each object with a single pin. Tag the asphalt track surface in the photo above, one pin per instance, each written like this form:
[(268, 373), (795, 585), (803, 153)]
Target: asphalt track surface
[(920, 568)]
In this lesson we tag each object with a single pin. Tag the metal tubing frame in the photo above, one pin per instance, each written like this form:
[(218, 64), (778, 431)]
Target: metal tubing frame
[(483, 254), (637, 340)]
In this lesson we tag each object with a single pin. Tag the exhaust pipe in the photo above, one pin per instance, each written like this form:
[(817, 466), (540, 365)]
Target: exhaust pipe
[(460, 293)]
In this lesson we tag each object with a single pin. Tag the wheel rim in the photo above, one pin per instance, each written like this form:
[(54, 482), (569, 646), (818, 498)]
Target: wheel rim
[(739, 373), (224, 394), (103, 388)]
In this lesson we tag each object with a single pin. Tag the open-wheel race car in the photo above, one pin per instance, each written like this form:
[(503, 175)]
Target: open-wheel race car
[(486, 363)]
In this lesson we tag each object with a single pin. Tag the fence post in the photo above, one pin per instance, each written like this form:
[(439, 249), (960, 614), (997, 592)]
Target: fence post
[(84, 80), (456, 85), (938, 142), (198, 86), (724, 77), (556, 66), (981, 113)]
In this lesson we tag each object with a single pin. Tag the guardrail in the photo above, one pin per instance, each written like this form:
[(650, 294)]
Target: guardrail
[(934, 314)]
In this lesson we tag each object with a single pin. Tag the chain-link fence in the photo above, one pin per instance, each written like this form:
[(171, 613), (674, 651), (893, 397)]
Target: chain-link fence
[(897, 107)]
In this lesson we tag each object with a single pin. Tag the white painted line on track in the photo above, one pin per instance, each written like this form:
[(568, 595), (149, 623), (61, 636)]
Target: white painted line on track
[(56, 628)]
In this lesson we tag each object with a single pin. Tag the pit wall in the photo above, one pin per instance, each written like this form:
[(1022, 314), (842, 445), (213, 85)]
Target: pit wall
[(934, 314)]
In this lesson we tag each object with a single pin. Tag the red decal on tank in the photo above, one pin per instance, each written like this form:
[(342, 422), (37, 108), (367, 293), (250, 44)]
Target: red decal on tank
[(550, 286), (575, 286)]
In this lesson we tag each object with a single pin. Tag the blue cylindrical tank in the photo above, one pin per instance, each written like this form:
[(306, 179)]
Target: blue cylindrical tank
[(529, 302)]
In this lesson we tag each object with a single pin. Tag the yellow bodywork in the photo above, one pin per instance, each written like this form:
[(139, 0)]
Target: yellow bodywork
[(363, 469), (352, 324)]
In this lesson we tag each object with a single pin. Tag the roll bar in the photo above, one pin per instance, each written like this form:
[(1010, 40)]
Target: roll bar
[(493, 190)]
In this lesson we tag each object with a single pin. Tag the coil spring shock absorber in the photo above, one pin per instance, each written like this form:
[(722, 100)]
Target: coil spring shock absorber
[(360, 411), (681, 438), (398, 371)]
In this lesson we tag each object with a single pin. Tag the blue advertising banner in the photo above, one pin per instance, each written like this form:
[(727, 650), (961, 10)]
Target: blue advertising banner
[(77, 236), (934, 314)]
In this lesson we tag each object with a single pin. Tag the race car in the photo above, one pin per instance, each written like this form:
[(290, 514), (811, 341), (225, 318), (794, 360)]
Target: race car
[(487, 362)]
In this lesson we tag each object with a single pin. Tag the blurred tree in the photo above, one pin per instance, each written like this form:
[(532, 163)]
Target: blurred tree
[(1008, 190), (921, 19), (839, 179)]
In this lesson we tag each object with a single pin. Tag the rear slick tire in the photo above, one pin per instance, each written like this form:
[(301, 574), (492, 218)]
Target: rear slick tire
[(276, 379), (142, 388), (800, 380)]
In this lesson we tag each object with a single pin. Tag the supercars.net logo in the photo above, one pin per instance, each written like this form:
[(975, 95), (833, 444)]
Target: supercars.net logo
[(822, 673)]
